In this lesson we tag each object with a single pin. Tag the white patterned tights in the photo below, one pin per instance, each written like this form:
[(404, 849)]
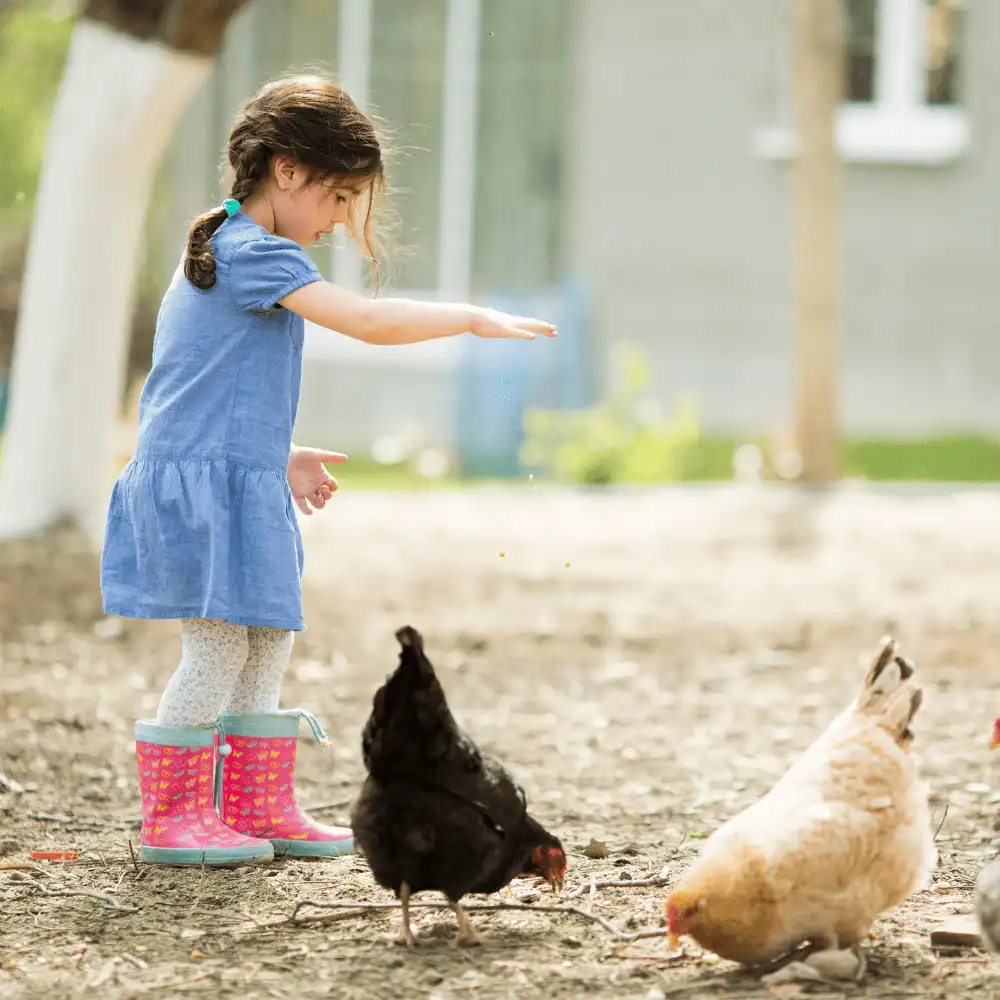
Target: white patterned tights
[(224, 668)]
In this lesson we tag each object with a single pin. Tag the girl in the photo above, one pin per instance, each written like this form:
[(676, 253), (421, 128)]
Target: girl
[(201, 524)]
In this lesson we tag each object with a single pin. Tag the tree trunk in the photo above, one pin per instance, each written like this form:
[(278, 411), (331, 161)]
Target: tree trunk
[(122, 94), (818, 72), (186, 25)]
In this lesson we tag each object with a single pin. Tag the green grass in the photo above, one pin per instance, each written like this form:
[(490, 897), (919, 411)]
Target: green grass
[(949, 459), (967, 458)]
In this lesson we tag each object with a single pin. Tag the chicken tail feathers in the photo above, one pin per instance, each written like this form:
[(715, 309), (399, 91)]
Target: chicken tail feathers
[(890, 691)]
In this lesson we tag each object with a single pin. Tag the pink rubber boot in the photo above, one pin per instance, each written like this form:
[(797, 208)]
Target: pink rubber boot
[(179, 824), (257, 795)]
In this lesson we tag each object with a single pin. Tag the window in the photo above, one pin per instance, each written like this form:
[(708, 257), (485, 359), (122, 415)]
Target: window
[(860, 46), (903, 83)]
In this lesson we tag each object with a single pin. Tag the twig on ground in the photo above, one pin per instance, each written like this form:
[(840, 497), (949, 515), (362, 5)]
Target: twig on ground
[(615, 883), (469, 908), (81, 822), (201, 883), (177, 984), (327, 806), (108, 902), (696, 984), (941, 824)]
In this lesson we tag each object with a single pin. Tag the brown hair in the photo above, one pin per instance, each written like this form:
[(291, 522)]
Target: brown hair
[(314, 121)]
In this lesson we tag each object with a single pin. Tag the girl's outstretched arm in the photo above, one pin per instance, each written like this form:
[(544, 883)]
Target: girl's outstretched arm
[(404, 321)]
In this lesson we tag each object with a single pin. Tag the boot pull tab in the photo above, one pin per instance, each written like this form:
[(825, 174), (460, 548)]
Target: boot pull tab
[(319, 735)]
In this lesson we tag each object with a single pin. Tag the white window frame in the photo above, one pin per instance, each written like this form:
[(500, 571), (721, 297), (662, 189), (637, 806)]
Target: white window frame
[(898, 126), (457, 184)]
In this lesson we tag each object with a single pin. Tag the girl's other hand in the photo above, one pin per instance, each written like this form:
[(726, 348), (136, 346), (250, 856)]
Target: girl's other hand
[(308, 479)]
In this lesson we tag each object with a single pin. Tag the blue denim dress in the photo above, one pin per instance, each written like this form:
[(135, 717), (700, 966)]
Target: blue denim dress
[(201, 522)]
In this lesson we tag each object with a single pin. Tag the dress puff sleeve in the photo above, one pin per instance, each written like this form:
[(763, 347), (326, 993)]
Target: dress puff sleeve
[(264, 271)]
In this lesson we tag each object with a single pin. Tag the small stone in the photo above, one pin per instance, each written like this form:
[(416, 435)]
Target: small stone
[(958, 932), (10, 785)]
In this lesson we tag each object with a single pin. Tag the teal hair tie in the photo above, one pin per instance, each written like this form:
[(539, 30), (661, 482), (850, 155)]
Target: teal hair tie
[(231, 206)]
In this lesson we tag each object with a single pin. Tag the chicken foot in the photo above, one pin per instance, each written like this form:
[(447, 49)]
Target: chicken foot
[(467, 937), (405, 934)]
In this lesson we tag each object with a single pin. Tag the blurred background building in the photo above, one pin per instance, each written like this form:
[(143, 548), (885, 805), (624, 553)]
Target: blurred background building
[(624, 167)]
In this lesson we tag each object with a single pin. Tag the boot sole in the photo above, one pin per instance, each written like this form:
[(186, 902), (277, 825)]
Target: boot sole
[(313, 848), (210, 857)]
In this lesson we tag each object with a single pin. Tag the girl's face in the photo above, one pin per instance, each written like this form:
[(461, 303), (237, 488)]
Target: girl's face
[(306, 210)]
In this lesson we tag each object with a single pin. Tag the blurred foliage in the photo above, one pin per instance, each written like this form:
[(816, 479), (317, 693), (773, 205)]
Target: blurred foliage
[(617, 441), (34, 41), (622, 440)]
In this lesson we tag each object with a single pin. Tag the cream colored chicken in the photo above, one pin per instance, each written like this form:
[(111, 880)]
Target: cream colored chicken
[(844, 835), (988, 885)]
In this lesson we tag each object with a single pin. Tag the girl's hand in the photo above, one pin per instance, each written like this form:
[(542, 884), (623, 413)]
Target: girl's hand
[(492, 323), (308, 479)]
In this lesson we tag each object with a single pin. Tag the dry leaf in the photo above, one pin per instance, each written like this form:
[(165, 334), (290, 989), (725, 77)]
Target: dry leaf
[(596, 849)]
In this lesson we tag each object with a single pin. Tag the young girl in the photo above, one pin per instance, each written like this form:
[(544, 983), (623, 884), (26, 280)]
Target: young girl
[(202, 525)]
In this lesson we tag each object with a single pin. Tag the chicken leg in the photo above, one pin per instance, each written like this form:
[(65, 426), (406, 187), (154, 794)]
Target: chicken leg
[(405, 934), (467, 937)]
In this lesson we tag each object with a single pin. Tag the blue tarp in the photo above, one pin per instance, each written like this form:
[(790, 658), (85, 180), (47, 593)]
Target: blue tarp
[(498, 380)]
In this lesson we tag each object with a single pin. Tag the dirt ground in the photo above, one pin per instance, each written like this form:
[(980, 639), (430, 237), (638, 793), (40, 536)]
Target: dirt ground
[(647, 663)]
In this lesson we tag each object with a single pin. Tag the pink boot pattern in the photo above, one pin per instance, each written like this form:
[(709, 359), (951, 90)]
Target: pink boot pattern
[(178, 810), (258, 792)]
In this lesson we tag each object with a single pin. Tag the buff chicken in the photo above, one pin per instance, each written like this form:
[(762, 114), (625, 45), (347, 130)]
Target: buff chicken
[(843, 836)]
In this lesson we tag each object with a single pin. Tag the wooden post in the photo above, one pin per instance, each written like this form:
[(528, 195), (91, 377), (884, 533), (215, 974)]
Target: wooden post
[(818, 75)]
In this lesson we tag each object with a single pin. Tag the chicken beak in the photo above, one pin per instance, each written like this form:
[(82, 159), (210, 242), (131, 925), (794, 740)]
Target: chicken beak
[(674, 940), (995, 742)]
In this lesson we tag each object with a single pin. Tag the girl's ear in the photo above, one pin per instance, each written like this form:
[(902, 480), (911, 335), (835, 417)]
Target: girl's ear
[(283, 170)]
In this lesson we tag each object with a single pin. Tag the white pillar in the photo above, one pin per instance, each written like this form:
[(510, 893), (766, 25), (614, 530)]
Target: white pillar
[(458, 157), (354, 75), (901, 40)]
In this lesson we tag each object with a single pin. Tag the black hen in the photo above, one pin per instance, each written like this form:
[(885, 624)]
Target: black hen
[(434, 811)]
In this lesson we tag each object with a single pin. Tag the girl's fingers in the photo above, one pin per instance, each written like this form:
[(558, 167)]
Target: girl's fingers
[(333, 457), (303, 505), (536, 326)]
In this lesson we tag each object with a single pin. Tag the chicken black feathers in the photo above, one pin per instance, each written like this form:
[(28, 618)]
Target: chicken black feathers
[(435, 812)]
